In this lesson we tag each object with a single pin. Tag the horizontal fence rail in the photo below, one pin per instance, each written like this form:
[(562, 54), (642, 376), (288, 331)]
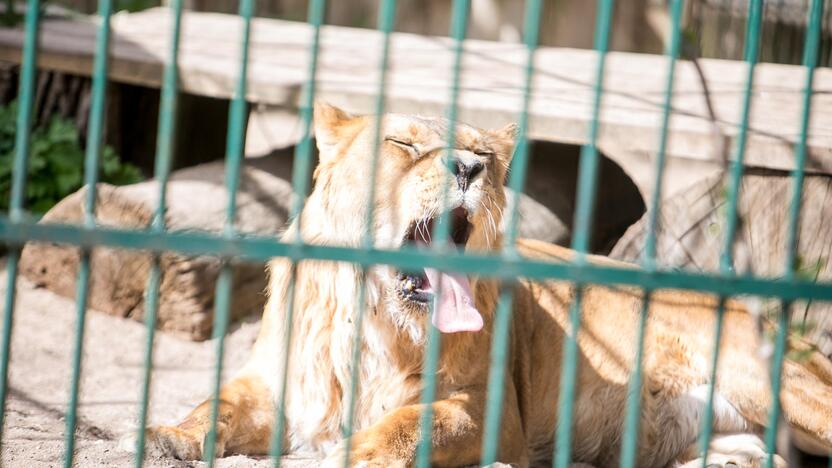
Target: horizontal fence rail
[(261, 248), (18, 228)]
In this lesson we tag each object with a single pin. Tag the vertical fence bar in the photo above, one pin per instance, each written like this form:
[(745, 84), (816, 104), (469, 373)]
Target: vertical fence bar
[(707, 416), (750, 55), (588, 171), (825, 58), (775, 40), (386, 20), (517, 181), (303, 153), (300, 186), (810, 61), (751, 52), (17, 200), (810, 58), (222, 304), (91, 162), (235, 145), (164, 155), (629, 448), (587, 181), (496, 377), (459, 27)]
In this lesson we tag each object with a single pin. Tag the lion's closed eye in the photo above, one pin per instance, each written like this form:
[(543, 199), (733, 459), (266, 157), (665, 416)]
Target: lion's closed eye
[(406, 145)]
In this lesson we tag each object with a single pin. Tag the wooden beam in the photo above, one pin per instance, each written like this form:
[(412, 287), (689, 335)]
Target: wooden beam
[(491, 83)]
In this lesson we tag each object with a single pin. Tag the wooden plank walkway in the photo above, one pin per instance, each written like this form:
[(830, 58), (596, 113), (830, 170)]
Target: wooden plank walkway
[(490, 89)]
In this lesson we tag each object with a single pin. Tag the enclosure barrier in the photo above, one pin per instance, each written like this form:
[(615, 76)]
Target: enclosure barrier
[(18, 228)]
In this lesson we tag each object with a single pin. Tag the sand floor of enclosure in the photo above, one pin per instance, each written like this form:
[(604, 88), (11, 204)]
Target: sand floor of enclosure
[(40, 373)]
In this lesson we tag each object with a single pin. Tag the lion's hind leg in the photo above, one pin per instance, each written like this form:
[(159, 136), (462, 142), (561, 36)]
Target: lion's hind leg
[(807, 407), (806, 396), (244, 423)]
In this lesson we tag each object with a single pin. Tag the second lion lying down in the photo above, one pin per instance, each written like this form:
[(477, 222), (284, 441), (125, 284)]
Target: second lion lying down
[(411, 173)]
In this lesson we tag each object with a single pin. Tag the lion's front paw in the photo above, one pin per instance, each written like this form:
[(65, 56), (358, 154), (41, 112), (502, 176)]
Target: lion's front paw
[(362, 455), (166, 441), (721, 460), (736, 451)]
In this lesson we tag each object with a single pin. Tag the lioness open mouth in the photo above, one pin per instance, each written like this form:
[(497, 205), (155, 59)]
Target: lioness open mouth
[(416, 286), (455, 309)]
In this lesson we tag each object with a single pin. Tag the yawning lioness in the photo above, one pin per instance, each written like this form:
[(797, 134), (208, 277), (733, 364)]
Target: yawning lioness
[(412, 171)]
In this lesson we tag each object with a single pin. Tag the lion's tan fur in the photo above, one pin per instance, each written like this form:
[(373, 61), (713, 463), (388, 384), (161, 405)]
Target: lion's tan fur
[(677, 343)]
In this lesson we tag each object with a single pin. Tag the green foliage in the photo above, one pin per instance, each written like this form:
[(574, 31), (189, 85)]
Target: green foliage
[(799, 355), (10, 16), (136, 5), (807, 270), (56, 162), (800, 330)]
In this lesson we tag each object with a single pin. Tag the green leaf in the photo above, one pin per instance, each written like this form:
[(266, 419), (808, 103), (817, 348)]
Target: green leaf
[(56, 161), (62, 131), (42, 205), (68, 182), (128, 175), (809, 271)]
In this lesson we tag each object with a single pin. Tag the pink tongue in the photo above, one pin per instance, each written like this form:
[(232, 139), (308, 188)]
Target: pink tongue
[(454, 310)]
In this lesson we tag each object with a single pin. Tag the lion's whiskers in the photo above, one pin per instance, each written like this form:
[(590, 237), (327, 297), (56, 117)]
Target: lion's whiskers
[(485, 226), (492, 222)]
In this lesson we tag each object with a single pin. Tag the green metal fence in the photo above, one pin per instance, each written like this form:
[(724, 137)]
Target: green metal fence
[(17, 227)]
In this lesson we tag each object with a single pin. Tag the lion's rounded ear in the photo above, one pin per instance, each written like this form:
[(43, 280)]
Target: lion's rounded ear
[(505, 139), (328, 121), (508, 133)]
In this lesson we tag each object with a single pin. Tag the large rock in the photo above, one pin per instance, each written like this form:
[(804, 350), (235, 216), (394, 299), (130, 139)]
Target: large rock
[(692, 228), (196, 201)]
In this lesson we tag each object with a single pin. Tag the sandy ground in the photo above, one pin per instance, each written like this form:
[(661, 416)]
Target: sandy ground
[(40, 374)]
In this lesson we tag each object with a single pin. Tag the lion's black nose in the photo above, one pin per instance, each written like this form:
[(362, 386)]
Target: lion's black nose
[(465, 172)]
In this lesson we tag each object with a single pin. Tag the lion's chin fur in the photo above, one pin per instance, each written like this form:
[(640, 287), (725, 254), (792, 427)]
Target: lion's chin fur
[(325, 314)]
